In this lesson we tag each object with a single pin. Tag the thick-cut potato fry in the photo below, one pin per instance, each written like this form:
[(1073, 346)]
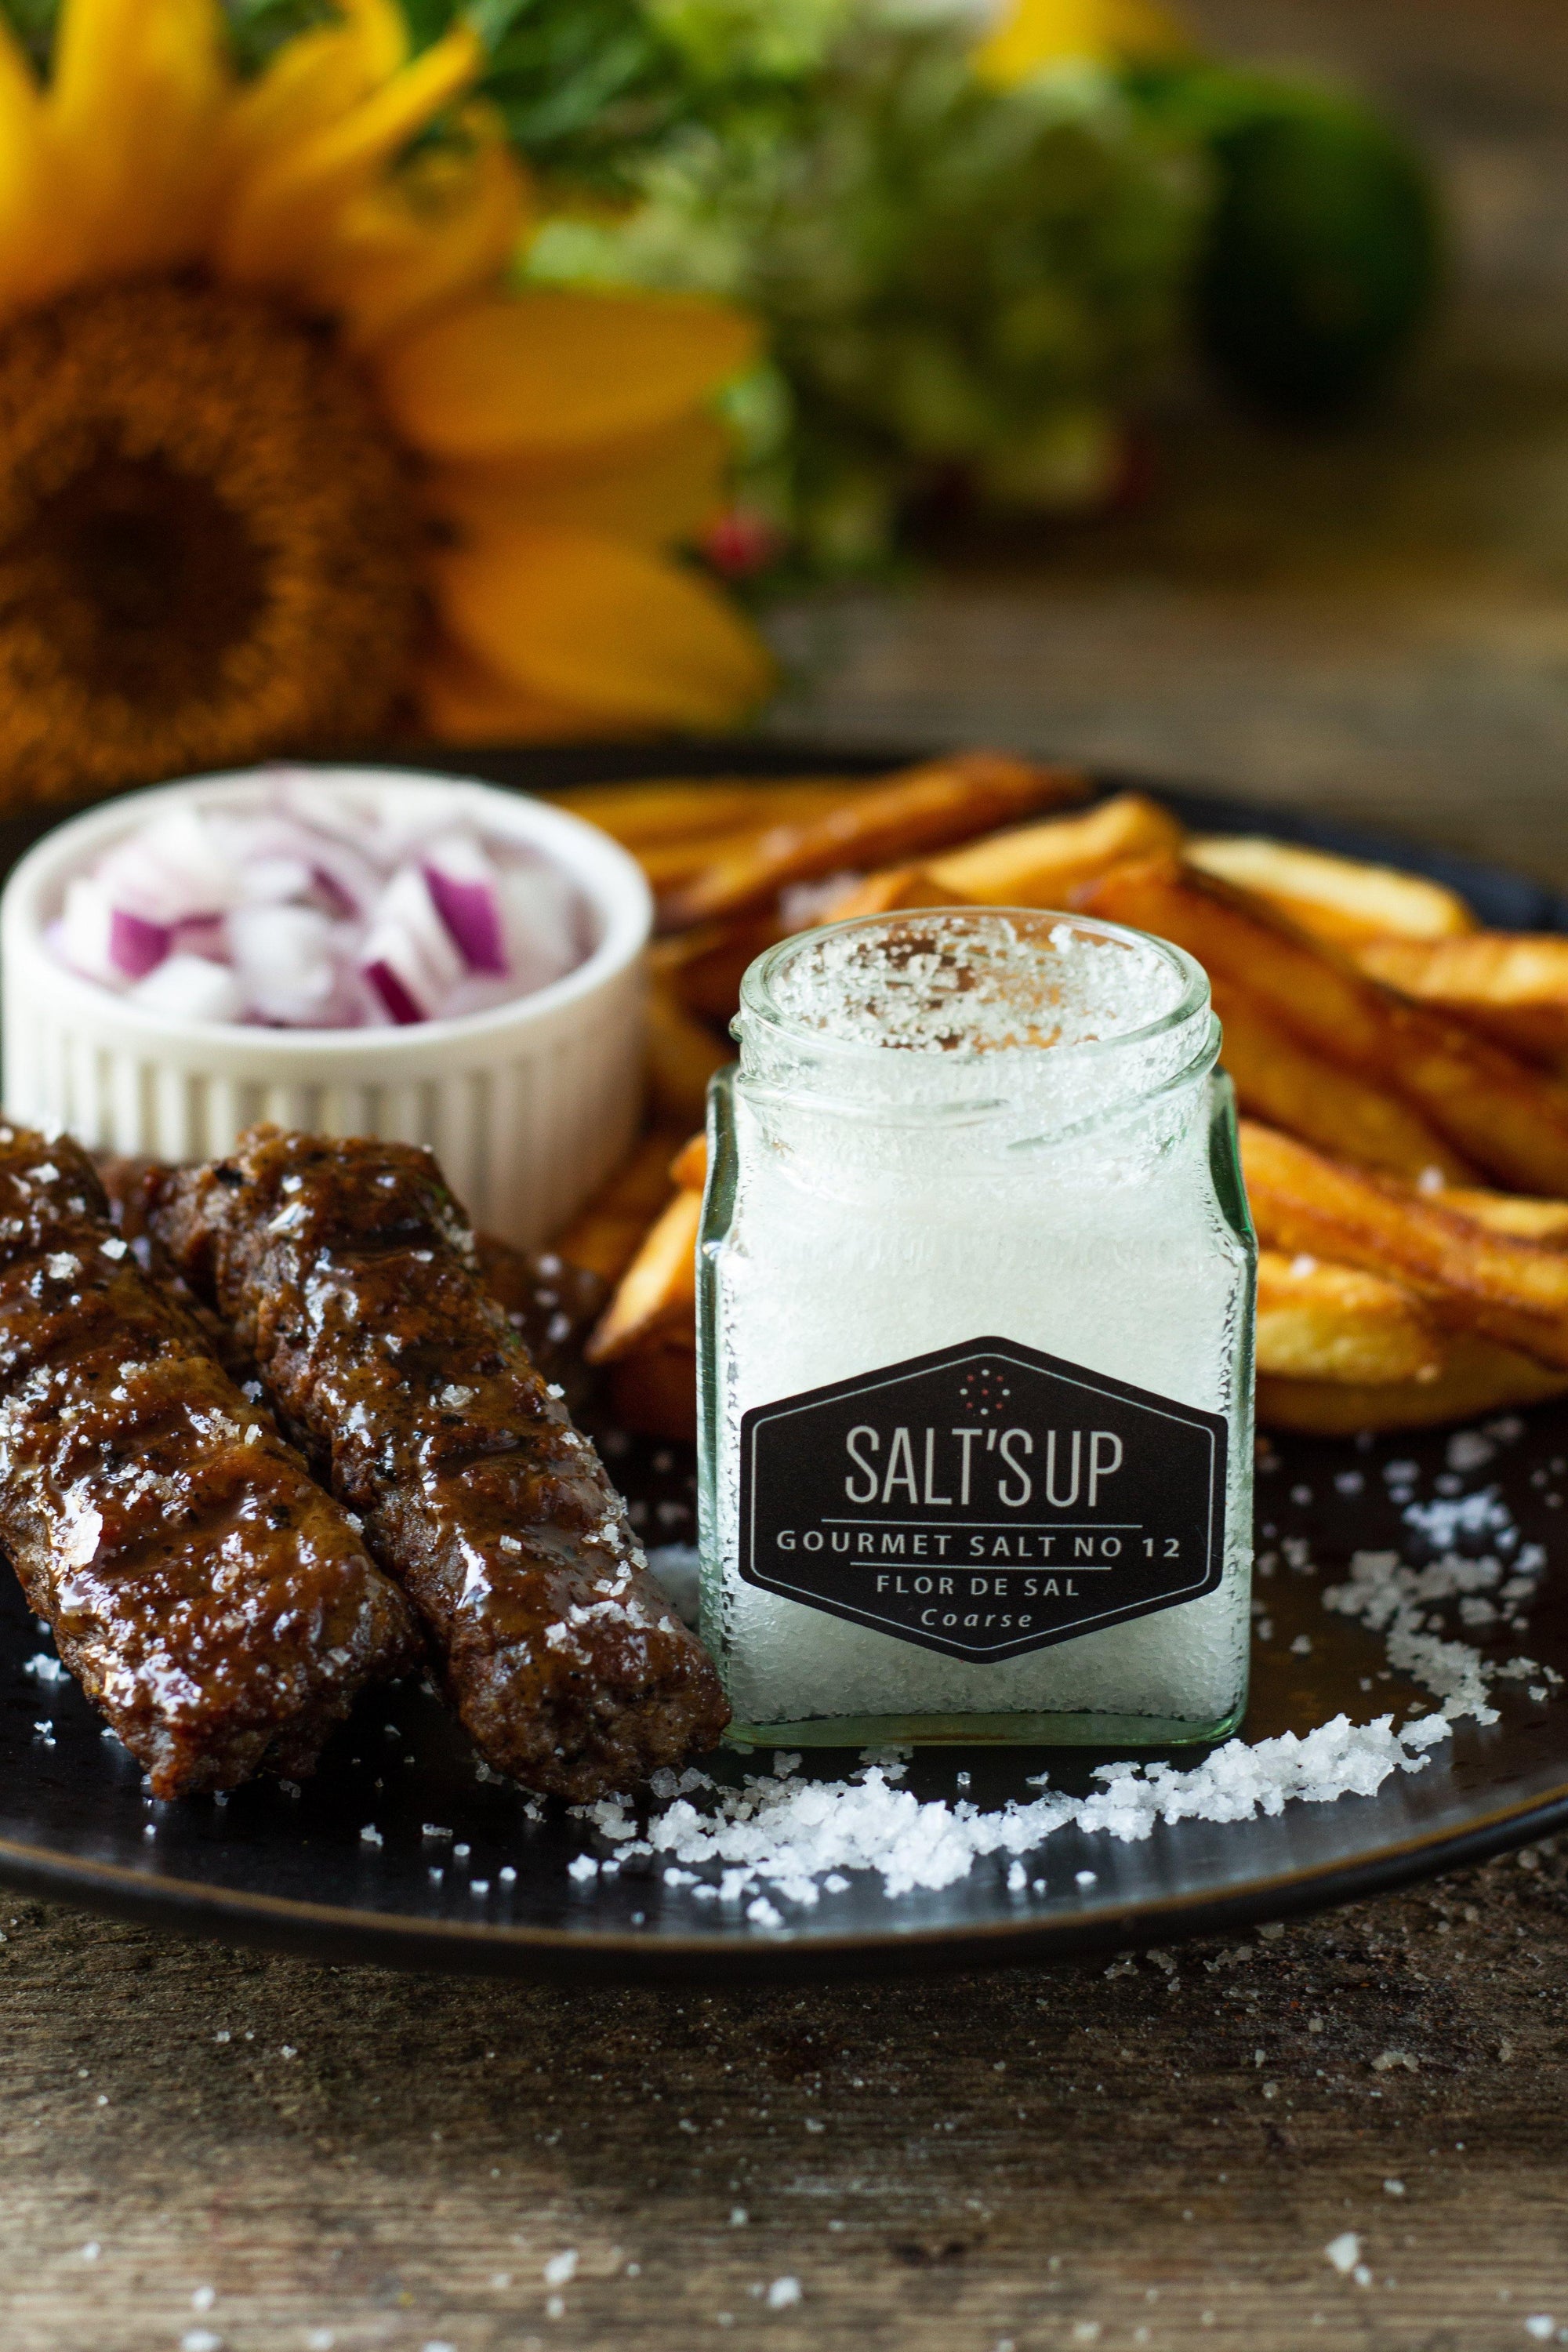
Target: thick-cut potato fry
[(1287, 1085), (641, 816), (1043, 865), (1513, 985), (1512, 1291), (925, 808), (682, 1056), (704, 967), (605, 1235), (1336, 1323), (688, 1169), (1509, 1212), (1503, 1116), (656, 1392), (657, 1292), (669, 865), (1336, 898), (888, 892), (1477, 1378)]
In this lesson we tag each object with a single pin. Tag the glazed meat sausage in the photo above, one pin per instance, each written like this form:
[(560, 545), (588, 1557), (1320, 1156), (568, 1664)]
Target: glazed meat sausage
[(550, 1304), (216, 1607), (349, 1275)]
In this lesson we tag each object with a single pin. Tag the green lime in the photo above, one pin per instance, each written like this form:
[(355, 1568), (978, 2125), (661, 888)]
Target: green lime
[(1324, 253)]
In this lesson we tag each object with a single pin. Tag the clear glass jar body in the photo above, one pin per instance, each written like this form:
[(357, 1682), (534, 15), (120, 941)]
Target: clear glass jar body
[(868, 1206)]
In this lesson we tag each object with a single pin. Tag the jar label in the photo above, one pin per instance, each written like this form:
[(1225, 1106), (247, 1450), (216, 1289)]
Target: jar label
[(983, 1500)]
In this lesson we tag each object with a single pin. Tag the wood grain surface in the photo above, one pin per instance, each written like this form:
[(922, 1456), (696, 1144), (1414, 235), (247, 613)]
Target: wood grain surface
[(216, 2149), (1152, 2152)]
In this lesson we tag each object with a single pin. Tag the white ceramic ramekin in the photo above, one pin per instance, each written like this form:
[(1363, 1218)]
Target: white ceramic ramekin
[(528, 1106)]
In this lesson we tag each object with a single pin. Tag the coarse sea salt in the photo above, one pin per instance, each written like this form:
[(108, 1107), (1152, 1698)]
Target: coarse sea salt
[(781, 1837), (786, 1835)]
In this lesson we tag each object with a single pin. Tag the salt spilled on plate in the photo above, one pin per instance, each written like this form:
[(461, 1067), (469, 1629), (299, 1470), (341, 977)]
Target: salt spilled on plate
[(320, 909), (782, 1837)]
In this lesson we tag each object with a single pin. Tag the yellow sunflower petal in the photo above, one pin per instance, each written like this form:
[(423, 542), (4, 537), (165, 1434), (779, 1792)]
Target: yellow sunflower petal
[(316, 78), (36, 256), (444, 227), (138, 91), (657, 491), (587, 621), (545, 372), (461, 700), (1037, 33), (280, 212)]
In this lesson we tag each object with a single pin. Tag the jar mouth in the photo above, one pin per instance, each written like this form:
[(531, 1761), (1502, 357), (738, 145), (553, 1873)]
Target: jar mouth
[(928, 999)]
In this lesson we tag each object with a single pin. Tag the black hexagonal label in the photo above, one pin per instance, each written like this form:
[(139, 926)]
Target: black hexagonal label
[(983, 1500)]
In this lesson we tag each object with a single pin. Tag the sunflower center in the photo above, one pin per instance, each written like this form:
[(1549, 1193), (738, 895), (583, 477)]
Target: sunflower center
[(208, 545), (152, 576)]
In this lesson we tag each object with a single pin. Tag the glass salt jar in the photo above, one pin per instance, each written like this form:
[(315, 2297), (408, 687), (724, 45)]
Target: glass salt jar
[(975, 1300)]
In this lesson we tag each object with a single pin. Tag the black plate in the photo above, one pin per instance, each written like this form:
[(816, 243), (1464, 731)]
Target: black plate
[(295, 1872)]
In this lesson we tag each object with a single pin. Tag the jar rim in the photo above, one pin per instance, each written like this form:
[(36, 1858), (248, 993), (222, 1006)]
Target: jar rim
[(758, 1001)]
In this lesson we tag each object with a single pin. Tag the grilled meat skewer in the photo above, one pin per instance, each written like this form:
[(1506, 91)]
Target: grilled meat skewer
[(549, 1304), (214, 1604), (349, 1275)]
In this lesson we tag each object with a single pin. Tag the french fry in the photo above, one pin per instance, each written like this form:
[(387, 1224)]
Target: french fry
[(925, 808), (1504, 1116), (1513, 985), (605, 1235), (656, 1392), (888, 892), (688, 1169), (682, 1056), (642, 816), (1336, 898), (1287, 1085), (704, 967), (1478, 1378), (1042, 865), (657, 1295), (671, 865), (1336, 1323), (1511, 1213), (1514, 1292)]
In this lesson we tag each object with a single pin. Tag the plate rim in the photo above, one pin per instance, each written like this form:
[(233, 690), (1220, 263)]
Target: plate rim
[(343, 1936), (332, 1933)]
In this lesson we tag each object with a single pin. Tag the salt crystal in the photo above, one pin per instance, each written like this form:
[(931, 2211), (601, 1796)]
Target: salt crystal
[(561, 2269), (782, 2292), (1344, 2251)]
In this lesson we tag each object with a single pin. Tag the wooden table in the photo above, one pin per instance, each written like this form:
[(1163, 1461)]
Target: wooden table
[(198, 2144)]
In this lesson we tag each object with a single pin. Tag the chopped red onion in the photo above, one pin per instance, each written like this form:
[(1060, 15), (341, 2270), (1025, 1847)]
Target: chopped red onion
[(317, 909), (402, 1007), (106, 941), (191, 989), (463, 883)]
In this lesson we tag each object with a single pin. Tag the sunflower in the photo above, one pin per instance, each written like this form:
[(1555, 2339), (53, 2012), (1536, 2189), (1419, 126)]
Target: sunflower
[(1032, 35), (285, 458)]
